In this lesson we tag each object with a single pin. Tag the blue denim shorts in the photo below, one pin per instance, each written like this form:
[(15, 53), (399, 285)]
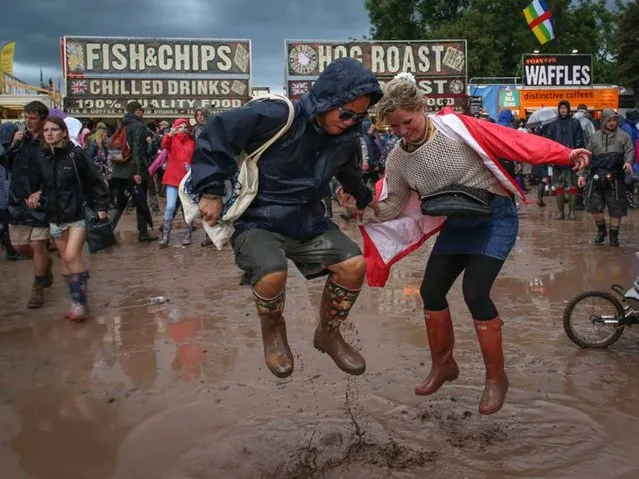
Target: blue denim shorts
[(57, 229), (492, 236)]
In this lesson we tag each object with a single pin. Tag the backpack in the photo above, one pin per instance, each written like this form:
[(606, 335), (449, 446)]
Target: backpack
[(118, 147)]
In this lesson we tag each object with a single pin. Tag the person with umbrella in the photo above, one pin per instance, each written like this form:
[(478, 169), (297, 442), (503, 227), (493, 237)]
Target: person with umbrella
[(535, 124)]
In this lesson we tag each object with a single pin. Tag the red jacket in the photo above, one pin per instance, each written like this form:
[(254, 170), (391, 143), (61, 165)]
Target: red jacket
[(180, 148)]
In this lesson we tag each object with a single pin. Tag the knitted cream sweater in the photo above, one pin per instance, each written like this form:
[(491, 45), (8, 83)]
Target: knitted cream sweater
[(437, 163)]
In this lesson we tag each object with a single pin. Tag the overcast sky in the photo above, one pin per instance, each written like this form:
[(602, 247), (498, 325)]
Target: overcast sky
[(37, 25)]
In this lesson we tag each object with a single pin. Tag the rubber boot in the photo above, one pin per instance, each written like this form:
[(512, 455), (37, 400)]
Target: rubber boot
[(572, 203), (614, 237), (561, 204), (441, 339), (601, 232), (188, 239), (277, 354), (166, 233), (489, 334), (337, 302), (37, 293), (541, 187), (77, 288)]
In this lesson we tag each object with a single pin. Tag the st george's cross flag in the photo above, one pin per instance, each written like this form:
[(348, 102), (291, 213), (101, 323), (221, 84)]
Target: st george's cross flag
[(539, 18)]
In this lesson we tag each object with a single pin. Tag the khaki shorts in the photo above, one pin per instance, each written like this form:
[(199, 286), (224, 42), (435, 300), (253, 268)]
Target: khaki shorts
[(261, 252), (22, 235)]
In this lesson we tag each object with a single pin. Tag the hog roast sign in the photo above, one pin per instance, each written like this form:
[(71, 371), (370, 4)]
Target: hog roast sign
[(439, 66), (169, 76)]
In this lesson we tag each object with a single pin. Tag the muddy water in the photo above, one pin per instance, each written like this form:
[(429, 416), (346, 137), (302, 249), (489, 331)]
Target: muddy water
[(180, 390)]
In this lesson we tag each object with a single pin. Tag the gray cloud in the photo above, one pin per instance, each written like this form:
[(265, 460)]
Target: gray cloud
[(37, 25)]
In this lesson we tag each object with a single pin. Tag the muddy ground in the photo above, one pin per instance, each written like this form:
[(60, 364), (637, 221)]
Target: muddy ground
[(180, 390)]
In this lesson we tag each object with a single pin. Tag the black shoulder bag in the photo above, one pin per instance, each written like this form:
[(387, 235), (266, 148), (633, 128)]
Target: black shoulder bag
[(457, 200), (99, 232)]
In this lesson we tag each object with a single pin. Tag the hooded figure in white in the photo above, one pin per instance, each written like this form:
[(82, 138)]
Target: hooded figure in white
[(74, 126)]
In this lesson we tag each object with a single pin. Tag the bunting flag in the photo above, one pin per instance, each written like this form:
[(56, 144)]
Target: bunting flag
[(539, 19), (6, 57)]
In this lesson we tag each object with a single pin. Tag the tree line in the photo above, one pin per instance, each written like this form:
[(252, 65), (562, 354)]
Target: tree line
[(498, 35)]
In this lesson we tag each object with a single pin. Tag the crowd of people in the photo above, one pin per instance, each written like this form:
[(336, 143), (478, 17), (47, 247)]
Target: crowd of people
[(332, 150), (52, 165), (611, 182)]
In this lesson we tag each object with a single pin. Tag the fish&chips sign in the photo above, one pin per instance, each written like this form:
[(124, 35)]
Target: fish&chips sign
[(440, 67), (169, 76)]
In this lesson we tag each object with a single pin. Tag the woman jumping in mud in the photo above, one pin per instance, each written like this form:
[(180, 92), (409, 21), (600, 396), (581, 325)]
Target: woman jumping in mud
[(435, 153)]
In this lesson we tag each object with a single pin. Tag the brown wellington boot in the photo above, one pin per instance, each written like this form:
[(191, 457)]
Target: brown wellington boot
[(337, 302), (277, 354), (441, 339), (489, 334), (37, 295)]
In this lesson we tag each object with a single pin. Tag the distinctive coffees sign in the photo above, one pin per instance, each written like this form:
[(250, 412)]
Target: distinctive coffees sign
[(169, 76), (557, 70), (438, 66)]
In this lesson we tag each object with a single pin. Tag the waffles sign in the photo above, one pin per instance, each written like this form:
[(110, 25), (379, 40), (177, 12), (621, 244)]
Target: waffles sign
[(114, 55), (385, 59)]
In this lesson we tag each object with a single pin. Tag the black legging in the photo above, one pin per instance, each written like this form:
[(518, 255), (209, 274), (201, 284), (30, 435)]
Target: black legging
[(480, 272)]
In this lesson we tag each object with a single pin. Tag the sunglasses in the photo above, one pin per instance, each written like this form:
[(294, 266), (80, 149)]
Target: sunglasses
[(348, 115)]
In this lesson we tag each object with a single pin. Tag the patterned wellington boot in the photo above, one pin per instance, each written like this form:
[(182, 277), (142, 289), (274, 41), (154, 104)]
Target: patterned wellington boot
[(337, 302), (277, 354), (166, 234), (77, 287)]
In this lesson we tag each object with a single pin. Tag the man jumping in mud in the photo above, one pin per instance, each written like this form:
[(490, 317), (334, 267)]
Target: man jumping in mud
[(286, 219)]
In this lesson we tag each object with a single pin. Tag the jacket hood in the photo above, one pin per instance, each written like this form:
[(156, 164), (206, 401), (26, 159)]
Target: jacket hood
[(181, 121), (632, 116), (130, 118), (606, 114), (101, 126), (74, 126), (563, 102), (7, 130), (506, 118), (343, 81)]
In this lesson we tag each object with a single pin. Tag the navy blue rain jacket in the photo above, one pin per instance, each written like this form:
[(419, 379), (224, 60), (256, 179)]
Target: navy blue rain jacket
[(294, 173)]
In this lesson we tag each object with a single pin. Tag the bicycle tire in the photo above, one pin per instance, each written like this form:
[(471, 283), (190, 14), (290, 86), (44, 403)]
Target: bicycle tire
[(580, 341)]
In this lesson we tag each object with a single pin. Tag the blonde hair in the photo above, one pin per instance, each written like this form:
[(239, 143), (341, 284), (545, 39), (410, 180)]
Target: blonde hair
[(399, 94)]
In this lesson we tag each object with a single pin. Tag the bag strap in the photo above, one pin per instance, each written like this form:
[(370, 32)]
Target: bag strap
[(77, 176), (291, 114)]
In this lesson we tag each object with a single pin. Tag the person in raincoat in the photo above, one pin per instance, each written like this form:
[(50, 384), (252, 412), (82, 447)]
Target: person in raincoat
[(612, 157), (286, 219), (180, 145)]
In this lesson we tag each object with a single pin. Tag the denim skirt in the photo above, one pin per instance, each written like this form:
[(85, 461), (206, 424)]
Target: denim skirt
[(492, 236)]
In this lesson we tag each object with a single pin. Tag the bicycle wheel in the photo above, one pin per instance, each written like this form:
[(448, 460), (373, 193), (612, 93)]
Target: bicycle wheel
[(589, 319)]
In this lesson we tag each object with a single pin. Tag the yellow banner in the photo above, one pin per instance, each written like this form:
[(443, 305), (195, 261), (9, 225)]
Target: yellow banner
[(6, 57)]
